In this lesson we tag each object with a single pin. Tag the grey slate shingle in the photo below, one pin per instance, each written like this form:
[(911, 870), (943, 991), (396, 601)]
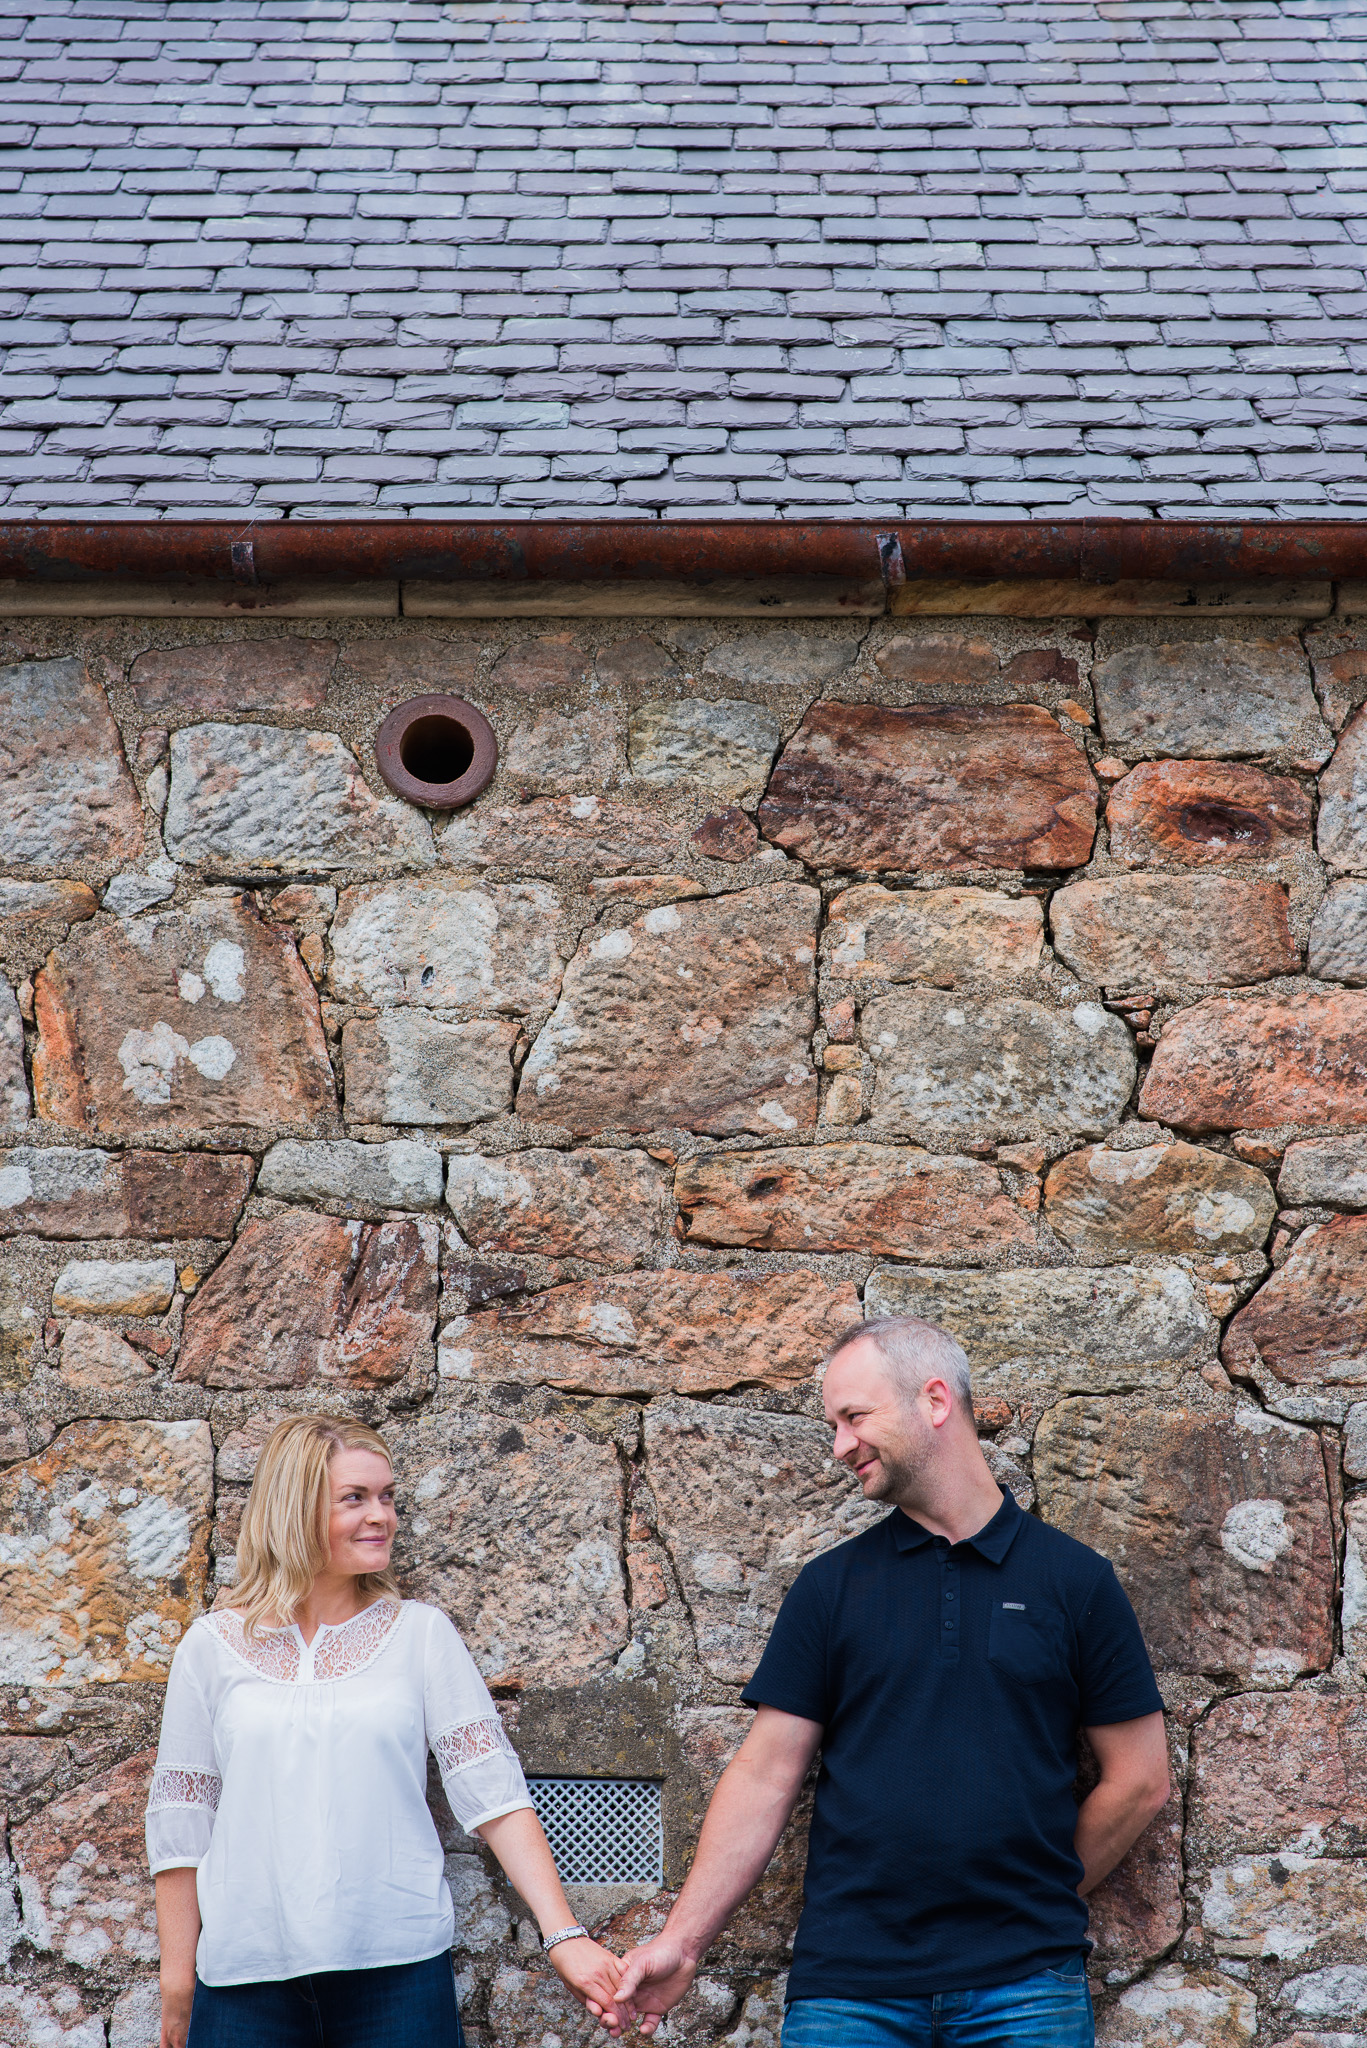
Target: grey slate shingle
[(737, 256)]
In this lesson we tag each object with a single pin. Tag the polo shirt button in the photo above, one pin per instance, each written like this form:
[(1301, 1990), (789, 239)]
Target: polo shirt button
[(949, 1624)]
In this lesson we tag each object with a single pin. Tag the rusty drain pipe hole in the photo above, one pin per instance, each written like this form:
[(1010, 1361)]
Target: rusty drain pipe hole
[(436, 751)]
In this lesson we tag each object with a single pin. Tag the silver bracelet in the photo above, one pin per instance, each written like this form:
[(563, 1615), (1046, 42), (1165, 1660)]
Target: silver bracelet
[(548, 1941)]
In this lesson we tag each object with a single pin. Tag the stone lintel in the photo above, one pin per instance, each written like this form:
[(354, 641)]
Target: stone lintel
[(664, 597), (1041, 597), (1034, 597), (102, 597)]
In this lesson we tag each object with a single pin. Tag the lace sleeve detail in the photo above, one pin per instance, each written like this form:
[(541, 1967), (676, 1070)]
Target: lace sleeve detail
[(173, 1787), (181, 1805), (480, 1773), (470, 1742)]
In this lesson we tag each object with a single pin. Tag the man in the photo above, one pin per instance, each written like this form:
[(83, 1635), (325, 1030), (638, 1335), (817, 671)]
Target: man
[(943, 1662)]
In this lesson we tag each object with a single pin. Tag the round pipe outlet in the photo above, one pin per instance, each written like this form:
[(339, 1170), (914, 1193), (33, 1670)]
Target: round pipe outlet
[(436, 751)]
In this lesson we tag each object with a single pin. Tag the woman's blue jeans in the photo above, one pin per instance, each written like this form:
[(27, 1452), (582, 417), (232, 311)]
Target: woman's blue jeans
[(412, 2005), (1052, 2010)]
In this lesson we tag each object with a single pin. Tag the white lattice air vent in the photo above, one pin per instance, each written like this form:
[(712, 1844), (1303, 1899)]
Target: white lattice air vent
[(602, 1830)]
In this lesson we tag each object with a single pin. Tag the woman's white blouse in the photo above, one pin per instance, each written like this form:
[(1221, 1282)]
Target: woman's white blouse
[(292, 1778)]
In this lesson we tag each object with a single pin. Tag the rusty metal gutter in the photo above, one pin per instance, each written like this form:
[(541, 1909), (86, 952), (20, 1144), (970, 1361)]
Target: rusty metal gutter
[(478, 568)]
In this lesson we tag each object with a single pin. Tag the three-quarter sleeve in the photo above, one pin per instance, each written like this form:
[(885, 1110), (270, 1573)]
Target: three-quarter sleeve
[(183, 1796), (479, 1767)]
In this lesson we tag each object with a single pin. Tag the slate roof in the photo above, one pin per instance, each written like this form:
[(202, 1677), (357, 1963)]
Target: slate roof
[(743, 257)]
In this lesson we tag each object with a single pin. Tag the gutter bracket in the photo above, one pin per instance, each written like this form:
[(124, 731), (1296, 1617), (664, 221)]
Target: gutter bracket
[(891, 558)]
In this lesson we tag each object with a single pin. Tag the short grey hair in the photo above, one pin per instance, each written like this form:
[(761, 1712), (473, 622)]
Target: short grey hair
[(913, 1352)]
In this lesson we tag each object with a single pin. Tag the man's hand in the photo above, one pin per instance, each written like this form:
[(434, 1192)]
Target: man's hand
[(1133, 1788), (746, 1816), (654, 1978)]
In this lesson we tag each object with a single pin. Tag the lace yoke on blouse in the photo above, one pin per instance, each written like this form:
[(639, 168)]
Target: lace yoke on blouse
[(337, 1651), (462, 1729)]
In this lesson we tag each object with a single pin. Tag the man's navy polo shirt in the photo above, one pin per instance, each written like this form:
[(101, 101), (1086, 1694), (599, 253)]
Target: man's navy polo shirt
[(950, 1681)]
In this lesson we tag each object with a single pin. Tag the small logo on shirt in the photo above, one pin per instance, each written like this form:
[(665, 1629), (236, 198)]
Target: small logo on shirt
[(1014, 1606)]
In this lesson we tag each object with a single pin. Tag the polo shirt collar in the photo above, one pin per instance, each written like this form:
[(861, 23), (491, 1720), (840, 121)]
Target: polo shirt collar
[(992, 1541)]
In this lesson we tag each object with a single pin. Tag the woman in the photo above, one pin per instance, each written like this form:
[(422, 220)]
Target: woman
[(300, 1889)]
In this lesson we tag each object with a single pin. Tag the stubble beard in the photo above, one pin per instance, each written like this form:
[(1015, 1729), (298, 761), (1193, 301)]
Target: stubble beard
[(899, 1474)]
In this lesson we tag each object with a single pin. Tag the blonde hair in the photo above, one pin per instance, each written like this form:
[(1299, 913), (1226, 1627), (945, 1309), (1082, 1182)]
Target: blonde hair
[(284, 1541)]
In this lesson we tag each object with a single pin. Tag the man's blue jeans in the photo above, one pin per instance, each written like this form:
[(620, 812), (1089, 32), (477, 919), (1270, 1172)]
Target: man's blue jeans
[(1052, 2010)]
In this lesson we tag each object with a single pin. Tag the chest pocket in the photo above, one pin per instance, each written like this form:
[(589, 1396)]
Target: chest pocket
[(1024, 1645)]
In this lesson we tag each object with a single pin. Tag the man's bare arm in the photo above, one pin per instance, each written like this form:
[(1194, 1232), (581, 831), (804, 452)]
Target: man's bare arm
[(748, 1812), (1133, 1788)]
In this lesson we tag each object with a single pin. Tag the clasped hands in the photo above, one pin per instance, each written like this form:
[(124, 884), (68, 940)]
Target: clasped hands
[(637, 1988)]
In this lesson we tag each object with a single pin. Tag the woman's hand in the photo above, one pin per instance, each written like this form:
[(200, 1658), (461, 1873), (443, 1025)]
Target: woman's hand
[(178, 1934), (176, 1999), (590, 1972)]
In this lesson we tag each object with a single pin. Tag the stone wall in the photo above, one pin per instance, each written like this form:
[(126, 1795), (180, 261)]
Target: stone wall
[(1006, 972)]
